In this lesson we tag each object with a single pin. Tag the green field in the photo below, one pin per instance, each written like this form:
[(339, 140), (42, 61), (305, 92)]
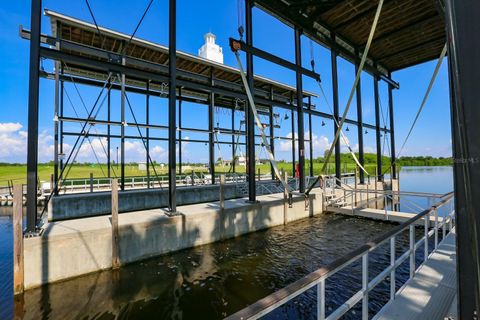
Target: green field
[(17, 172)]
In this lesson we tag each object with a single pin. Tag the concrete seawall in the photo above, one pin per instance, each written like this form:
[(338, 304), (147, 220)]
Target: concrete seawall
[(72, 248)]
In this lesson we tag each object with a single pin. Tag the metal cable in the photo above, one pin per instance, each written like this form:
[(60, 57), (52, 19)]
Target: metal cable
[(143, 140), (136, 28), (88, 138), (352, 91), (424, 100), (86, 110), (259, 124), (102, 39)]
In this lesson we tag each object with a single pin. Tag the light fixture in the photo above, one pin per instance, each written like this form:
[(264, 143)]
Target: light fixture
[(366, 131), (348, 129), (323, 123), (286, 117), (381, 135)]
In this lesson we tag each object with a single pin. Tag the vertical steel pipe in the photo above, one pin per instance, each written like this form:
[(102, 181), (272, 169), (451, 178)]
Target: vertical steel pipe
[(33, 92), (172, 102)]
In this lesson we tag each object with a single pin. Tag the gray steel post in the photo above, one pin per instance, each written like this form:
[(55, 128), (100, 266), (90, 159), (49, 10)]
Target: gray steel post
[(122, 131), (310, 135), (377, 129), (392, 131), (56, 120), (211, 128), (172, 101), (335, 110), (109, 166), (249, 116), (361, 151), (463, 25), (300, 117), (147, 131), (33, 92)]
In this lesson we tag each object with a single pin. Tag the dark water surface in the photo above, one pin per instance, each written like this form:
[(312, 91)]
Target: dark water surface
[(212, 281)]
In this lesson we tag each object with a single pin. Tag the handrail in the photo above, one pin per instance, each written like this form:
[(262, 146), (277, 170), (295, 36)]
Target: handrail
[(318, 277)]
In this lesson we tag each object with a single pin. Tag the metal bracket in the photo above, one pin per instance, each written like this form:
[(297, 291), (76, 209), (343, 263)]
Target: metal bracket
[(290, 200)]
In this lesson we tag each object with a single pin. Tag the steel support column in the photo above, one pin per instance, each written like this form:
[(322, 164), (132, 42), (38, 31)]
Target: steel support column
[(61, 123), (33, 92), (272, 133), (109, 165), (211, 128), (392, 130), (377, 129), (122, 131), (233, 141), (180, 135), (361, 150), (249, 115), (172, 102), (300, 117), (57, 102), (463, 26), (335, 110), (147, 131), (310, 135), (294, 150)]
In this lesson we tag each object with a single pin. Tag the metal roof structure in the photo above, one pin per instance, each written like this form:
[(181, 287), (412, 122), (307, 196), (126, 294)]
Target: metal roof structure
[(75, 31), (409, 32)]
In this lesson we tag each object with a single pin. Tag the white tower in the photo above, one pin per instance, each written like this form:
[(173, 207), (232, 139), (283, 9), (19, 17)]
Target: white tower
[(210, 50)]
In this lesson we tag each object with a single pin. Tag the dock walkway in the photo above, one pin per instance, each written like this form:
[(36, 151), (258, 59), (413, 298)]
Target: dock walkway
[(431, 293)]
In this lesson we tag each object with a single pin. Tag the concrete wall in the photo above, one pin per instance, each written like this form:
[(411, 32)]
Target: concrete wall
[(99, 203), (72, 206), (72, 248)]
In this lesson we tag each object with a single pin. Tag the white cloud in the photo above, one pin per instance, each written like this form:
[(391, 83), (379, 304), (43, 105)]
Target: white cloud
[(13, 144), (9, 127), (320, 144)]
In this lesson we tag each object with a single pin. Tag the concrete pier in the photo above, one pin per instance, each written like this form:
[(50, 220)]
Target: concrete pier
[(75, 247)]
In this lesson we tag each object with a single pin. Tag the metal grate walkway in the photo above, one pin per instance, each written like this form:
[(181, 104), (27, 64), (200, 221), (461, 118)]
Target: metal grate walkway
[(430, 294)]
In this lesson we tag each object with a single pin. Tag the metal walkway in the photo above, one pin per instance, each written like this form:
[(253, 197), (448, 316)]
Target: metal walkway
[(431, 293)]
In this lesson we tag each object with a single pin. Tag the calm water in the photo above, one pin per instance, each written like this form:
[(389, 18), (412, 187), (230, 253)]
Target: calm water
[(212, 281)]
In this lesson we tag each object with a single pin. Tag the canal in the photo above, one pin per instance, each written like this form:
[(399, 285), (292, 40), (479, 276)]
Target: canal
[(213, 281)]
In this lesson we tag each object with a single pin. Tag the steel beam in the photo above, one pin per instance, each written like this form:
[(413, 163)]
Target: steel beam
[(33, 92), (211, 128), (361, 151), (392, 132), (249, 116), (233, 140), (147, 131), (300, 117), (272, 133), (333, 53), (463, 26), (122, 131), (294, 152), (310, 135), (377, 129), (61, 122), (172, 70), (249, 49), (56, 121), (109, 142)]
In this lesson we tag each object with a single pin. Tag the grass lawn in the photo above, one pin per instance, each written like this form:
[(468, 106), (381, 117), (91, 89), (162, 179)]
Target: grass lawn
[(17, 173)]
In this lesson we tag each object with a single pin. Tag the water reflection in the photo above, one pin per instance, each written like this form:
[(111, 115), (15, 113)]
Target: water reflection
[(211, 281)]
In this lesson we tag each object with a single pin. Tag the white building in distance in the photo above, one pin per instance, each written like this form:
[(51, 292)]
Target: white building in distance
[(210, 50)]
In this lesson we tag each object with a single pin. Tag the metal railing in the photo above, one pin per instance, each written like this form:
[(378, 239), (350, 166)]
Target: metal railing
[(317, 278)]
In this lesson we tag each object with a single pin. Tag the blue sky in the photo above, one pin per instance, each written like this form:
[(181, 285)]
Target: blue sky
[(432, 135)]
